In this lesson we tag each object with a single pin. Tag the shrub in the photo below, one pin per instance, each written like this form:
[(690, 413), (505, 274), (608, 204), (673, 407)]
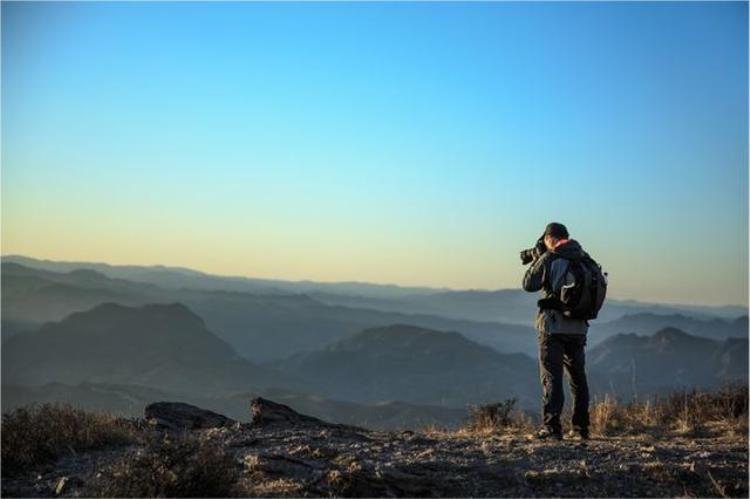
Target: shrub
[(687, 411), (170, 465), (496, 416), (39, 434)]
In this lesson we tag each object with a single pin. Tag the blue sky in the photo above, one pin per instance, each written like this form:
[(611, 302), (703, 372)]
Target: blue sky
[(419, 144)]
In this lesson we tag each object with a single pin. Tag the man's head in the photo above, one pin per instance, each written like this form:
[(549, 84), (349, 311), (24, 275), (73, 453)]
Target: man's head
[(553, 233)]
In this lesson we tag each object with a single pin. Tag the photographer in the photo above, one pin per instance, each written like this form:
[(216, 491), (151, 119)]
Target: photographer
[(562, 333)]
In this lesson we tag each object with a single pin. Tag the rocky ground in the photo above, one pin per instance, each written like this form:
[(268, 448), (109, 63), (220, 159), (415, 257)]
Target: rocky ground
[(283, 453)]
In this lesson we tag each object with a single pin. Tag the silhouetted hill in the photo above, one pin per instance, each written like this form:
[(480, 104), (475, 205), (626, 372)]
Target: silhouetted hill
[(513, 306), (260, 326), (629, 364), (505, 305), (731, 358), (12, 328), (159, 346), (180, 277), (649, 323), (32, 296), (416, 365), (267, 327)]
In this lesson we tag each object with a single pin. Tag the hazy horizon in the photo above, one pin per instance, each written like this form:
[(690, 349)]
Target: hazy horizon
[(416, 144), (293, 280)]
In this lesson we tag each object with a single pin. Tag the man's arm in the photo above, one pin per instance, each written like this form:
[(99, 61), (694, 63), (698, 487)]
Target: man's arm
[(534, 277)]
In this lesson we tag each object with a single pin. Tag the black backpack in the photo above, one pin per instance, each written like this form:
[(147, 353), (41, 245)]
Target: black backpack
[(584, 298)]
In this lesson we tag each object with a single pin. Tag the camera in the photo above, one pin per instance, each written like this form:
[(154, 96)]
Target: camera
[(531, 254)]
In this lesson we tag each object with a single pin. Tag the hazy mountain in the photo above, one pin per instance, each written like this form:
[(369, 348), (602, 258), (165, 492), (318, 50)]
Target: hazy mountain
[(180, 277), (731, 359), (506, 305), (260, 326), (649, 323), (11, 328), (129, 400), (630, 364), (513, 306), (415, 365), (267, 329), (32, 297), (159, 346)]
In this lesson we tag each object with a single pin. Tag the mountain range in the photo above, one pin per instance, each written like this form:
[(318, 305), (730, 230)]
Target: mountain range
[(261, 327), (421, 366), (631, 364), (107, 342), (395, 374), (648, 323), (512, 306), (160, 346)]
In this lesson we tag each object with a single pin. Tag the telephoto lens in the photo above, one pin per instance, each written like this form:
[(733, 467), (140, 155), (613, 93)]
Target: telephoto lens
[(526, 256), (531, 254)]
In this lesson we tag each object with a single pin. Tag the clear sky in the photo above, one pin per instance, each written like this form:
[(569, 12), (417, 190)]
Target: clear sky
[(417, 144)]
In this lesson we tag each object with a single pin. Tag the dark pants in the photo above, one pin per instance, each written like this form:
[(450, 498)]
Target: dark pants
[(555, 352)]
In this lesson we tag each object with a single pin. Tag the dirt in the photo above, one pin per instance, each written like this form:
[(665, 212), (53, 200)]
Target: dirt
[(313, 458)]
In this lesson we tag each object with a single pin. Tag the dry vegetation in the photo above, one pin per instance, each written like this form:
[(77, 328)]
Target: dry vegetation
[(39, 434), (169, 466), (685, 444), (500, 416), (690, 413)]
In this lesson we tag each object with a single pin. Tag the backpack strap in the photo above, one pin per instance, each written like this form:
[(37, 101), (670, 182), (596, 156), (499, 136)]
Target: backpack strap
[(551, 302), (546, 284)]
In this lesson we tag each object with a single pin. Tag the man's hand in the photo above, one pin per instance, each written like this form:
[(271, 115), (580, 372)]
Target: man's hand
[(539, 249), (533, 254), (534, 277)]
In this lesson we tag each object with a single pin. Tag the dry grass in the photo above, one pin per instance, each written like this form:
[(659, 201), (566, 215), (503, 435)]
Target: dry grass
[(40, 434), (170, 466), (686, 412), (497, 417), (432, 429)]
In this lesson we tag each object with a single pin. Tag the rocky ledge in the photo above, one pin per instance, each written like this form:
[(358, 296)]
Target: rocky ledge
[(284, 453)]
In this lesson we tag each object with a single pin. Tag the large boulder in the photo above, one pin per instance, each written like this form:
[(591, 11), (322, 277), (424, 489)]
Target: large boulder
[(267, 412), (180, 416)]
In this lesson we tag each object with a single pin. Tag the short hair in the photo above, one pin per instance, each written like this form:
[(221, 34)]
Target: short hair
[(556, 230)]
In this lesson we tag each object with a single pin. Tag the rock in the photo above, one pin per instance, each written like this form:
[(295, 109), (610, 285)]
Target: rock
[(266, 412), (180, 416)]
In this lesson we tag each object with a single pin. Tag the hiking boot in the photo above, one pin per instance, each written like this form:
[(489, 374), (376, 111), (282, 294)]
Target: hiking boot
[(578, 435), (548, 434)]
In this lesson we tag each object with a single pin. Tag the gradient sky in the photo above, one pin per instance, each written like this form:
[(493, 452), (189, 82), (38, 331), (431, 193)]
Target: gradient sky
[(417, 144)]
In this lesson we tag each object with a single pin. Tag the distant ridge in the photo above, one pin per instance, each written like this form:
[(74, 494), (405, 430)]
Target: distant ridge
[(416, 365), (649, 323), (164, 346), (630, 364), (479, 299)]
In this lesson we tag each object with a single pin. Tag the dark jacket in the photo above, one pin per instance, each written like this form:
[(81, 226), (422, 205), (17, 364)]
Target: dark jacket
[(549, 273)]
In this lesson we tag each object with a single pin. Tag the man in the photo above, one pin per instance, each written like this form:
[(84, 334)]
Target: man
[(561, 339)]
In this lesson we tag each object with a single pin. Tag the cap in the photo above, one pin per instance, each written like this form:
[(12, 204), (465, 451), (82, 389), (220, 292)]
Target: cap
[(556, 230)]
